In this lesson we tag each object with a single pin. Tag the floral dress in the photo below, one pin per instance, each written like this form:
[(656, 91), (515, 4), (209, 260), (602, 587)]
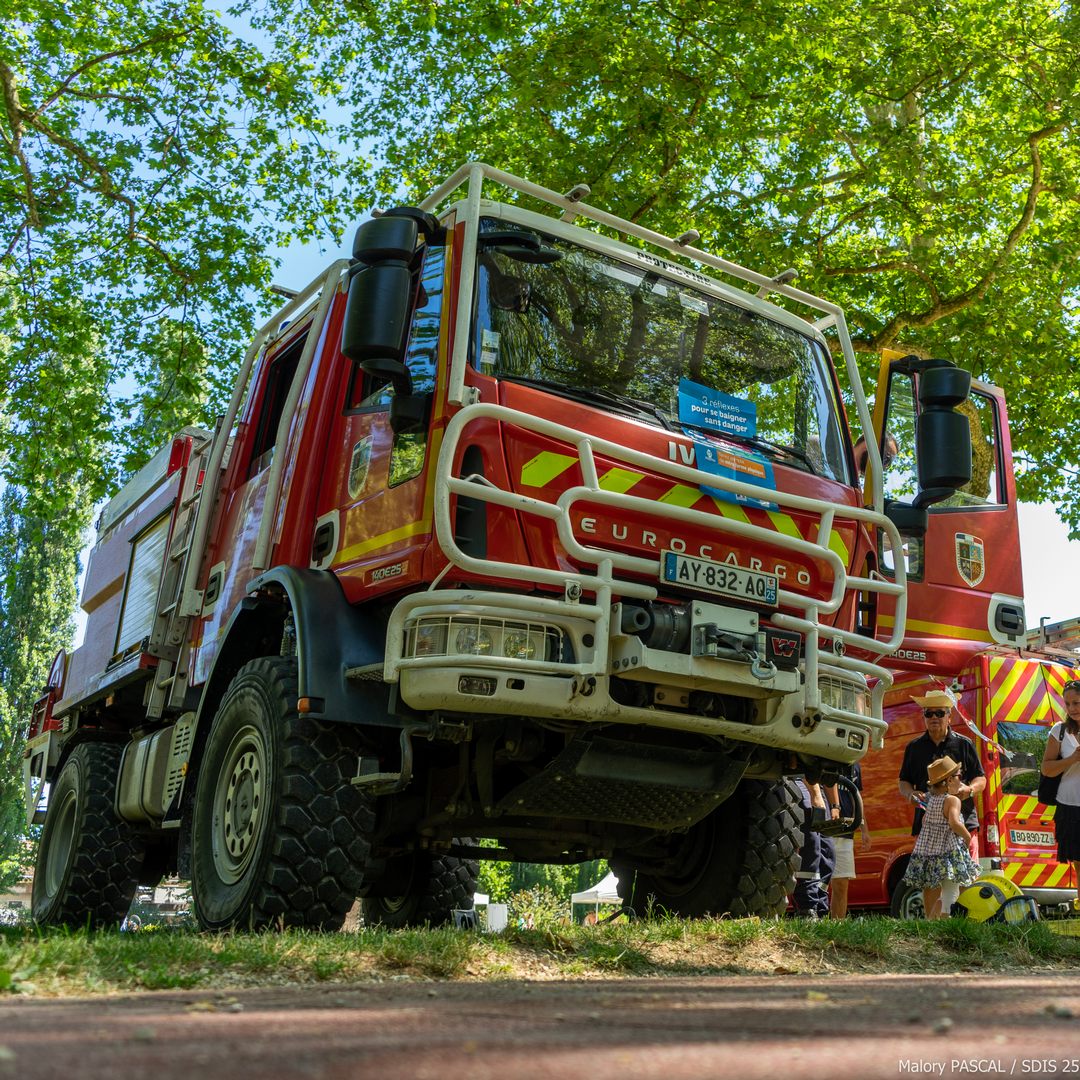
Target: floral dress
[(939, 854)]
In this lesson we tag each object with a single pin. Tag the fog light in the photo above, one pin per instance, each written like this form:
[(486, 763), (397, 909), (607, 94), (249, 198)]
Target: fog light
[(477, 685)]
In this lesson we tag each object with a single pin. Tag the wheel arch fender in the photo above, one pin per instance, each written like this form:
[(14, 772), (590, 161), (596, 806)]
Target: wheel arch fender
[(893, 872), (332, 636)]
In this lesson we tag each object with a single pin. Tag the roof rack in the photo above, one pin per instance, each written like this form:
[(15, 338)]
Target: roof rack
[(474, 173), (1064, 634)]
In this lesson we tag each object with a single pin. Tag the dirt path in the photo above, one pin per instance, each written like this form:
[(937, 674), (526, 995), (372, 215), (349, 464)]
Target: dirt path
[(675, 1029)]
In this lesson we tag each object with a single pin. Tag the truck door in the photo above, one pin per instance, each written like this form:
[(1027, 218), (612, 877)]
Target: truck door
[(964, 578), (374, 517)]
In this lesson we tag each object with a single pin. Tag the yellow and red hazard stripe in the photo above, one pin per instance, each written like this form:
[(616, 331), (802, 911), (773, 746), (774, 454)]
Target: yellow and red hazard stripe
[(1023, 691), (547, 466)]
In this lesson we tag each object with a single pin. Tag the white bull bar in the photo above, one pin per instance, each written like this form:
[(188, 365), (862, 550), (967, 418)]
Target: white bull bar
[(802, 612)]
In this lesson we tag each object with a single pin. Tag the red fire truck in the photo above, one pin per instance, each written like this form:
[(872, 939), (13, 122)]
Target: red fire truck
[(966, 631), (524, 524)]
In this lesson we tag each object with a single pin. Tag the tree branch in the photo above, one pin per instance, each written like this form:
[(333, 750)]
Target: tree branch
[(16, 115), (94, 61), (942, 308)]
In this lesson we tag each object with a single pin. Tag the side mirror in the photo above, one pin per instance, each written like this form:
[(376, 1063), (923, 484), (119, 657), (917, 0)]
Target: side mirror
[(909, 520), (409, 413), (942, 436), (380, 297)]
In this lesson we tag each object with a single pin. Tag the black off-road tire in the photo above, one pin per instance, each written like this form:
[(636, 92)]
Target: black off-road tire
[(88, 860), (740, 860), (438, 885), (279, 835)]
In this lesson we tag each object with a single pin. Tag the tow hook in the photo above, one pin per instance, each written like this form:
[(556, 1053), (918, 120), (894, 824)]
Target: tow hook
[(762, 670), (584, 687)]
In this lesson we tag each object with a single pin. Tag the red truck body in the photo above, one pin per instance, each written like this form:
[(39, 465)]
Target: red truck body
[(511, 530)]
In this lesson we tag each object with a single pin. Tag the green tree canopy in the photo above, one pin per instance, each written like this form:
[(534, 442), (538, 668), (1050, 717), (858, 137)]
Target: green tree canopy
[(915, 163), (148, 158)]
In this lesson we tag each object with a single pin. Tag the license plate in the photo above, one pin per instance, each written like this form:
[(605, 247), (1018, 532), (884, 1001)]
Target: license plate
[(1032, 839), (753, 586)]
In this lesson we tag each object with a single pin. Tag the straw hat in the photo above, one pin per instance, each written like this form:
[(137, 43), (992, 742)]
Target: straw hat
[(942, 769), (936, 699)]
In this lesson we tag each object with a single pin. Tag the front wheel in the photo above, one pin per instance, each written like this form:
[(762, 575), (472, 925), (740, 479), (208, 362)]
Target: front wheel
[(88, 861), (740, 860), (279, 835)]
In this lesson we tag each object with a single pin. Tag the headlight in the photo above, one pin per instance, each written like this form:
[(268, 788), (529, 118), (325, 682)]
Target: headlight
[(427, 639), (520, 645), (459, 635), (473, 641), (845, 696)]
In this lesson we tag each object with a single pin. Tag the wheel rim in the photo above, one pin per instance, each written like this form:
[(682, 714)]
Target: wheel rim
[(61, 841), (912, 905), (239, 805)]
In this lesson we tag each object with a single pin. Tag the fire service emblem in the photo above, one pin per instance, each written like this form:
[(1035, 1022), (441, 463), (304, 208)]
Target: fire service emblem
[(970, 558)]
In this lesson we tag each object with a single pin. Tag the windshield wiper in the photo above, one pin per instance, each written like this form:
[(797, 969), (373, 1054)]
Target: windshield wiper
[(790, 453), (634, 406)]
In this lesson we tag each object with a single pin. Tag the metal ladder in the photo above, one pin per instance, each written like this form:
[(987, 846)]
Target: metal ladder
[(169, 634)]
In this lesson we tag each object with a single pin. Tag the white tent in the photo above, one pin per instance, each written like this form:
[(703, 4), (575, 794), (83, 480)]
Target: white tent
[(605, 891)]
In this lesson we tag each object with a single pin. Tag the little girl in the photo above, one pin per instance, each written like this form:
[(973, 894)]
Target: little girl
[(941, 862)]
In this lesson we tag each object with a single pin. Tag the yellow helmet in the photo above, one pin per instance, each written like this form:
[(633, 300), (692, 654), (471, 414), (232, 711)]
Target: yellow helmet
[(994, 898)]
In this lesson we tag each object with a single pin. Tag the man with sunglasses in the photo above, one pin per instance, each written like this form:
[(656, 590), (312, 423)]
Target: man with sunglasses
[(938, 742)]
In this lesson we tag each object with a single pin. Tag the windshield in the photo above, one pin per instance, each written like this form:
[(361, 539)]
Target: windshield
[(586, 322)]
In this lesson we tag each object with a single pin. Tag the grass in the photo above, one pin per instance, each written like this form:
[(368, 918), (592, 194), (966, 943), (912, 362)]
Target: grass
[(62, 963)]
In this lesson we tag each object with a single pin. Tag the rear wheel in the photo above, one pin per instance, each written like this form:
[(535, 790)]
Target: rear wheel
[(907, 901), (279, 835), (740, 860), (88, 861), (432, 888)]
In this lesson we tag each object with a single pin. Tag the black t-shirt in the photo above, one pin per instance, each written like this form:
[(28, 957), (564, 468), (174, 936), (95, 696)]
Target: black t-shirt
[(917, 757)]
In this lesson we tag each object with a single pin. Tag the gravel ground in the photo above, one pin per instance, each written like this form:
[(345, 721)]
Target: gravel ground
[(671, 1029)]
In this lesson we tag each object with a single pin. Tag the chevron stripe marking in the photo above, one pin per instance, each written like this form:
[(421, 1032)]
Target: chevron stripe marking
[(1023, 701), (784, 524), (735, 512), (548, 465), (1031, 876), (543, 468), (681, 495), (1004, 688), (1057, 874), (620, 480)]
